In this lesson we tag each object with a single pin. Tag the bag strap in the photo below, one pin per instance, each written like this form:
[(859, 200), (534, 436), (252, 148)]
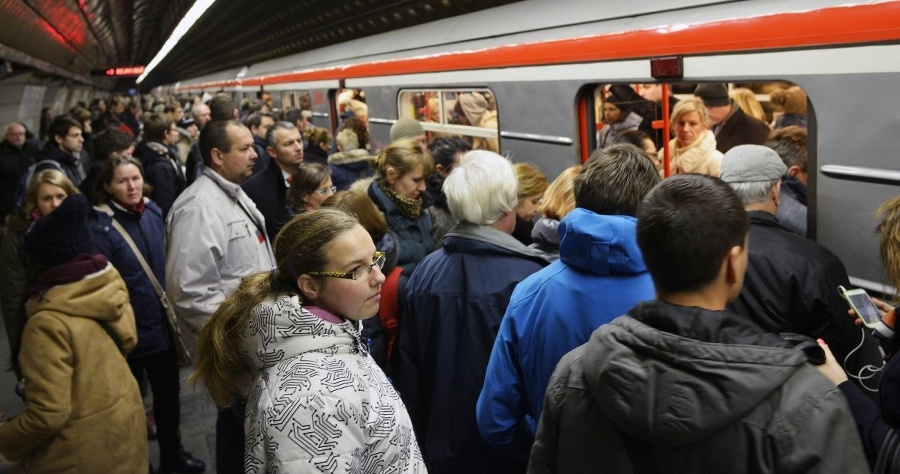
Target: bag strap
[(137, 253)]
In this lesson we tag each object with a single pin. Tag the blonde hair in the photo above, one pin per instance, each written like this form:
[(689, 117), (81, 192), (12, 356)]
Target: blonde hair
[(357, 202), (300, 247), (54, 177), (559, 199), (318, 135), (403, 156), (686, 106), (888, 232), (531, 180), (747, 100)]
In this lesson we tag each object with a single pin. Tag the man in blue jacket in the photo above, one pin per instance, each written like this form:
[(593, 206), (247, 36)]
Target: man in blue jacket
[(600, 275), (455, 299)]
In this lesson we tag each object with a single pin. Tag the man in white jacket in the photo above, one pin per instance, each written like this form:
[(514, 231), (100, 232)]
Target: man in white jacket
[(215, 234)]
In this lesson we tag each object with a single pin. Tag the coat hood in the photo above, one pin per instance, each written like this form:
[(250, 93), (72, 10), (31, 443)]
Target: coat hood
[(151, 152), (355, 159), (282, 328), (674, 390), (101, 296), (600, 244), (546, 231)]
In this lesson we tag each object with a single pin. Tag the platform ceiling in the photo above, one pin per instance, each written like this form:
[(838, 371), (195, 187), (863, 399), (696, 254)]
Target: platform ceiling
[(70, 38)]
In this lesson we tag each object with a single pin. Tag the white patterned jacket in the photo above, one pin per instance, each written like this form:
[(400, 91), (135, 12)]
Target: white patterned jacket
[(321, 403)]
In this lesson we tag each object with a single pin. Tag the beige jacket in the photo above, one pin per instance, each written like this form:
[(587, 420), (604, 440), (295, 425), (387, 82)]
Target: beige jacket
[(83, 409), (698, 157)]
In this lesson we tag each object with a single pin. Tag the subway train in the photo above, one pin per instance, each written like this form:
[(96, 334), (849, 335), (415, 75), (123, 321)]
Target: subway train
[(544, 64)]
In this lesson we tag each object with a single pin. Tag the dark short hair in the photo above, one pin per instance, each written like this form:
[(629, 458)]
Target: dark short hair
[(443, 150), (61, 124), (111, 140), (215, 135), (270, 134), (614, 180), (255, 119), (292, 115), (156, 126), (791, 144), (686, 226), (221, 107)]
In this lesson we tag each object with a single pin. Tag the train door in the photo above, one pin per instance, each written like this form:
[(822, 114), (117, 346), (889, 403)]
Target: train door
[(633, 113)]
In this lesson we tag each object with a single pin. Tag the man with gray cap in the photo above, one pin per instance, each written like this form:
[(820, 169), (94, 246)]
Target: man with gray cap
[(729, 123), (791, 284)]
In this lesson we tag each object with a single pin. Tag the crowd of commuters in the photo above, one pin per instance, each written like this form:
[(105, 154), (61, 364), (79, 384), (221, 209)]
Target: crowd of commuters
[(432, 306)]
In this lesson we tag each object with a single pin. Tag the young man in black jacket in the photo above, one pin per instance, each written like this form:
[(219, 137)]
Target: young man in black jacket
[(680, 384)]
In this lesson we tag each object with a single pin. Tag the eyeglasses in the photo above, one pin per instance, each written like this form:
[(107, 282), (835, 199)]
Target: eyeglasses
[(325, 191), (361, 271)]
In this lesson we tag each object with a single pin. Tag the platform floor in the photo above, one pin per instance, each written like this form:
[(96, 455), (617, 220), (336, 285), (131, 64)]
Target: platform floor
[(198, 414)]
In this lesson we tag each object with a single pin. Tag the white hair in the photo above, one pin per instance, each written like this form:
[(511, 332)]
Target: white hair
[(753, 192), (482, 188)]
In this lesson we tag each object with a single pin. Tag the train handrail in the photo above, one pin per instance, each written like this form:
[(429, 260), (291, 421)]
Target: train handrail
[(861, 173)]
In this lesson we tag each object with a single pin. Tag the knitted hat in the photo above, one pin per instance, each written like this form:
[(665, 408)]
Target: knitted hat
[(185, 122), (406, 128), (792, 99), (751, 164), (713, 95), (473, 105), (61, 235)]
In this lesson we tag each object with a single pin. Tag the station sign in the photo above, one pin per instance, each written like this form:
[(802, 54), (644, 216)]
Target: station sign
[(119, 71)]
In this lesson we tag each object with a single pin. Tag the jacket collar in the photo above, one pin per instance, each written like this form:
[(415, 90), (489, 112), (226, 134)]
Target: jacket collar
[(492, 236), (231, 189), (765, 219)]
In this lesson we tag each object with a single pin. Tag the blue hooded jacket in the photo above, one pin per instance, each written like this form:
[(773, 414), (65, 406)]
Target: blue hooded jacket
[(600, 275)]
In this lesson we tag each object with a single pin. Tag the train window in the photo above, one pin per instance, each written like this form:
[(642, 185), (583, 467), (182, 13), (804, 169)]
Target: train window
[(467, 113), (296, 99)]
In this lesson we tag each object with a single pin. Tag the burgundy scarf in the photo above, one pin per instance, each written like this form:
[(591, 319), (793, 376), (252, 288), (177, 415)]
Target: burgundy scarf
[(73, 270)]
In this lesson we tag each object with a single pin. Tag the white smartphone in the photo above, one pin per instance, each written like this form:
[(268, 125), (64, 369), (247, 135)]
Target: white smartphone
[(860, 301)]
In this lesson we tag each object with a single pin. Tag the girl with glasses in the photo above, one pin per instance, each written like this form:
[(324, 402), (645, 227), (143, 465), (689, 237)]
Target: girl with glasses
[(288, 342)]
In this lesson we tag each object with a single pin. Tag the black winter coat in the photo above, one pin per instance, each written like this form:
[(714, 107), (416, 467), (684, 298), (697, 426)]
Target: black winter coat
[(163, 172), (268, 191), (791, 286), (13, 163), (684, 389), (740, 129)]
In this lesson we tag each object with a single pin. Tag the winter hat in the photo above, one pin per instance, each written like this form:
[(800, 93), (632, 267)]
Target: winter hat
[(359, 108), (473, 105), (185, 122), (751, 164), (620, 102), (406, 128), (61, 235), (713, 95), (792, 100), (347, 140)]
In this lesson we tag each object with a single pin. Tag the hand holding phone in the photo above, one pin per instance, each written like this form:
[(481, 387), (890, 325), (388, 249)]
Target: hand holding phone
[(862, 305)]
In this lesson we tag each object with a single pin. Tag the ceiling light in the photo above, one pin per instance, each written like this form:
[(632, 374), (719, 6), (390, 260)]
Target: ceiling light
[(194, 14)]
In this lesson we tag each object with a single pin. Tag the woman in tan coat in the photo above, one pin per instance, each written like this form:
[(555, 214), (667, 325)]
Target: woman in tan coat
[(83, 409)]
